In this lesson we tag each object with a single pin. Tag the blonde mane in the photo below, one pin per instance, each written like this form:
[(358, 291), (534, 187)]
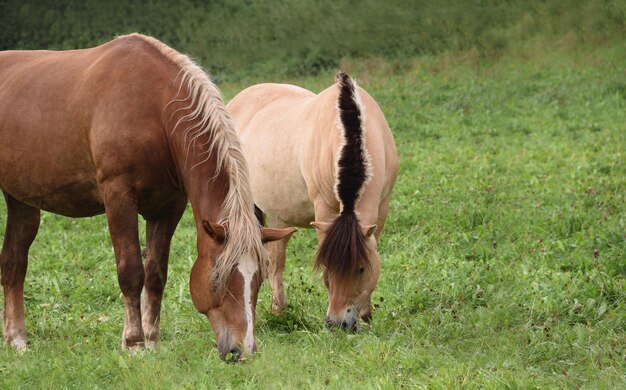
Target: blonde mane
[(210, 117)]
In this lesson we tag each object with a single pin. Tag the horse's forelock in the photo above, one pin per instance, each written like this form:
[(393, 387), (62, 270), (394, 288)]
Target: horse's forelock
[(343, 251)]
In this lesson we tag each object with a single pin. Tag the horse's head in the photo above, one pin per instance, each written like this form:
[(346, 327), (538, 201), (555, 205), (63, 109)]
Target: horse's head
[(351, 265), (229, 302)]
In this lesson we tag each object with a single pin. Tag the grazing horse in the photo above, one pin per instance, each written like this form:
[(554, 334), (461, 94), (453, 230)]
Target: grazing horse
[(128, 128), (327, 158)]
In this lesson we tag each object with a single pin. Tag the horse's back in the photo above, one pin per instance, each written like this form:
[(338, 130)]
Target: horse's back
[(63, 112), (259, 101), (273, 117)]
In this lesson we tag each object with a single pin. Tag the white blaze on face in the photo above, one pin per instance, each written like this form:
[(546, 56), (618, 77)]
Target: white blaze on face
[(248, 267)]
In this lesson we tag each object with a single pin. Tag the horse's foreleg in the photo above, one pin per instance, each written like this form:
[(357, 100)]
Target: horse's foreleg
[(122, 212), (21, 229), (383, 210), (277, 253), (159, 234)]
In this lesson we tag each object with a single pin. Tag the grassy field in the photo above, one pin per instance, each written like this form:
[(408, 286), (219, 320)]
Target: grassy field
[(503, 259)]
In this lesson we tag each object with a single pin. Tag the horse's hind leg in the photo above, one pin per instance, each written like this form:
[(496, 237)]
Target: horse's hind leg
[(159, 234), (122, 212), (21, 229)]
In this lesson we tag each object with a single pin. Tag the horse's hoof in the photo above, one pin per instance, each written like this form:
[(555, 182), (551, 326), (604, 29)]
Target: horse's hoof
[(134, 347), (277, 309), (18, 344), (152, 345)]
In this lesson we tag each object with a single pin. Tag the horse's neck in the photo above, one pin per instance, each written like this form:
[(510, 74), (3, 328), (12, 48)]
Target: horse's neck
[(197, 169)]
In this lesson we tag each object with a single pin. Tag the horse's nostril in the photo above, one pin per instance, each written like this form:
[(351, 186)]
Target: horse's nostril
[(349, 325), (329, 322)]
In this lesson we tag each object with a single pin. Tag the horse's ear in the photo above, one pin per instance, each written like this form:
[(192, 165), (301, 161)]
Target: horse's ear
[(215, 231), (368, 230), (269, 235), (321, 226)]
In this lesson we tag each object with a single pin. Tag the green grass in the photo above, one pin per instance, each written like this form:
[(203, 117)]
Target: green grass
[(504, 255)]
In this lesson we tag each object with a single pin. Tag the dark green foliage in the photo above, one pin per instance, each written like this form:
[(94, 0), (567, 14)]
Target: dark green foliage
[(255, 37)]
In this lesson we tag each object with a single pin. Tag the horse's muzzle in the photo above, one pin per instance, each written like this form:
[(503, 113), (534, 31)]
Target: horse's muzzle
[(348, 323), (229, 351), (231, 355)]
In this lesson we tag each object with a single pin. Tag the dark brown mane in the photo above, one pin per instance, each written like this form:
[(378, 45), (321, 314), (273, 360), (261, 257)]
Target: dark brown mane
[(352, 167), (344, 251)]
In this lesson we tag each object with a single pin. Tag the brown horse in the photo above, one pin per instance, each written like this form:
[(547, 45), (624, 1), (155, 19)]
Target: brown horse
[(130, 128), (327, 158)]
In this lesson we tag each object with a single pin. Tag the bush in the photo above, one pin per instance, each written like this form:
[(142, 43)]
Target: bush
[(300, 37)]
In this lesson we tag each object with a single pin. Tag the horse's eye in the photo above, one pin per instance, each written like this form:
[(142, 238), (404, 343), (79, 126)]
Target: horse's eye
[(361, 270)]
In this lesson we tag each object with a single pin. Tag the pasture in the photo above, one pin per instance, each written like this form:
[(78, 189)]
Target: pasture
[(503, 257)]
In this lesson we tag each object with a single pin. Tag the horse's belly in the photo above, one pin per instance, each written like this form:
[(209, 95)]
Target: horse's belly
[(71, 199), (39, 170)]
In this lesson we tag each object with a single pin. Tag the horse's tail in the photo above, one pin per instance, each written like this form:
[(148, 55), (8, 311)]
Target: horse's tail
[(343, 250)]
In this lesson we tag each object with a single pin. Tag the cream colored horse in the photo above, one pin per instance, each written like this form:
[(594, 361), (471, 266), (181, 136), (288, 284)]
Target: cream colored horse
[(328, 161)]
